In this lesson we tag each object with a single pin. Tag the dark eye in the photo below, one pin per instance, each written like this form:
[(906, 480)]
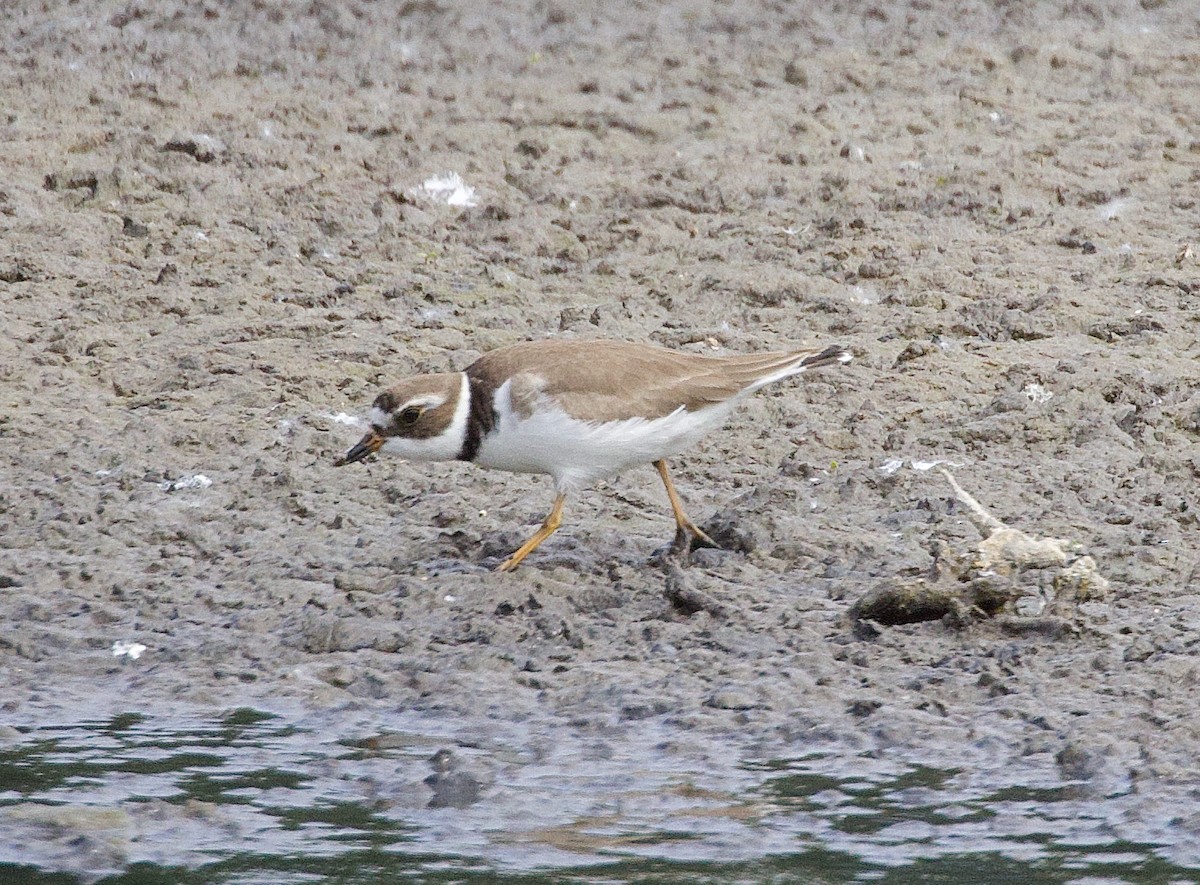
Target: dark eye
[(409, 415)]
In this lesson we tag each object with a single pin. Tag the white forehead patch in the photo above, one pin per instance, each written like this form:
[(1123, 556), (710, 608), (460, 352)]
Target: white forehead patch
[(425, 401)]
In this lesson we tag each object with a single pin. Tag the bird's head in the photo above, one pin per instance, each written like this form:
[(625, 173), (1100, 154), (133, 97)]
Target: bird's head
[(420, 419)]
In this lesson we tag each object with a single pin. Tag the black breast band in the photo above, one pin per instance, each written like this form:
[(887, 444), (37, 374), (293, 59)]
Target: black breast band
[(481, 418)]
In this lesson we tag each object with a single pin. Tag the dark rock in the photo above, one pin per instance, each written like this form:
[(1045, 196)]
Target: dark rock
[(861, 709), (1078, 763), (685, 598), (132, 228), (202, 148), (731, 699), (731, 532), (454, 789), (1115, 330), (907, 603)]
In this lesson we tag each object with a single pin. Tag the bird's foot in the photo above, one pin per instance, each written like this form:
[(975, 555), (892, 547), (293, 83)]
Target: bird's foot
[(690, 537)]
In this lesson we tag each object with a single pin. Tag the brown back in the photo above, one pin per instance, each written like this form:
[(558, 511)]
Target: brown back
[(614, 380)]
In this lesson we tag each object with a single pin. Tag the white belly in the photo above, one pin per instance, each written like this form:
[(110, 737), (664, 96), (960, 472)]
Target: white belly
[(577, 453)]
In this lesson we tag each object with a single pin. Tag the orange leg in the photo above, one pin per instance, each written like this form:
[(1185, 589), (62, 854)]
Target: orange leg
[(685, 529), (549, 527)]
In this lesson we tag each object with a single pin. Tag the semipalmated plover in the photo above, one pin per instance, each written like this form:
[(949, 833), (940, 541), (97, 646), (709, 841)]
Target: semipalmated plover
[(578, 410)]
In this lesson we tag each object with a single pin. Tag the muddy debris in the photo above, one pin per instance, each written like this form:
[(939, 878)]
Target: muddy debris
[(964, 586)]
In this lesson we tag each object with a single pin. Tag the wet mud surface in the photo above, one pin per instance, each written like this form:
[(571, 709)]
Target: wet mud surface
[(217, 246)]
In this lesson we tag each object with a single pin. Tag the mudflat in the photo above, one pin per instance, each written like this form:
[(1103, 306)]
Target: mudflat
[(225, 227)]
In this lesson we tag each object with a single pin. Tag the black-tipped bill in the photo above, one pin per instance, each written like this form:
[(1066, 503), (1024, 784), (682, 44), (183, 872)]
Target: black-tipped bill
[(368, 445)]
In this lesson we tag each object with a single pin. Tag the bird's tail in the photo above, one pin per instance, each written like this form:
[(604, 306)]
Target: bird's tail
[(828, 356), (756, 371)]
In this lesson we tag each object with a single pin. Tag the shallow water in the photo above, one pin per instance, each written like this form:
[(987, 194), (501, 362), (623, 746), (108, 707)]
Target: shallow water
[(255, 797)]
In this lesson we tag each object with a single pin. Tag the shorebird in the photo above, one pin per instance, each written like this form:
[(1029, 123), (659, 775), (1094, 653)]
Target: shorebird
[(579, 411)]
